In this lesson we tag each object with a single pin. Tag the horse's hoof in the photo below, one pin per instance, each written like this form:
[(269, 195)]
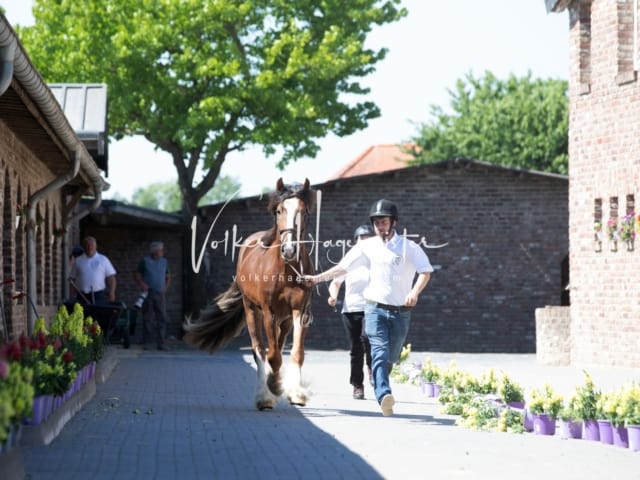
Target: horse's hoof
[(262, 406), (298, 401)]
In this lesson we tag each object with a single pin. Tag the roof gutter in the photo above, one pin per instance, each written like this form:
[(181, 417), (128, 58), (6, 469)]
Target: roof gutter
[(7, 54), (16, 64)]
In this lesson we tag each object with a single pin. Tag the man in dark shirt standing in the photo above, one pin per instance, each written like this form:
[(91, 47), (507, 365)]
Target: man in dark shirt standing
[(152, 276)]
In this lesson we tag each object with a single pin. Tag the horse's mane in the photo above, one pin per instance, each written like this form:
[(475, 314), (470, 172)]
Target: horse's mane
[(282, 192)]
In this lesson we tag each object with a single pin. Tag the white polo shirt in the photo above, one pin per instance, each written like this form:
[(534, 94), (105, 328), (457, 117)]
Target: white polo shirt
[(89, 273), (354, 284), (392, 267)]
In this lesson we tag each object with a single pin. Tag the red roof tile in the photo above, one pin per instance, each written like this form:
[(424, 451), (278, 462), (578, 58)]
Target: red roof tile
[(375, 159)]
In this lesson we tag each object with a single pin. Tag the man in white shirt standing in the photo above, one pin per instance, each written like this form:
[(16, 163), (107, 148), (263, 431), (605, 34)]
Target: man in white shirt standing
[(393, 262), (93, 276)]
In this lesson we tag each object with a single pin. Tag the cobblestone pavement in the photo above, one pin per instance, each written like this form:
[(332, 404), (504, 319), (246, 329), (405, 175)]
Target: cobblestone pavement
[(187, 415)]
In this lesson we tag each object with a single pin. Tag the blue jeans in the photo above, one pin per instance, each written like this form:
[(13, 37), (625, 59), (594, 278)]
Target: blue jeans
[(387, 332)]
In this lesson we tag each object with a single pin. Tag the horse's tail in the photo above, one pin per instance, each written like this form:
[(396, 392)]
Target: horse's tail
[(219, 323)]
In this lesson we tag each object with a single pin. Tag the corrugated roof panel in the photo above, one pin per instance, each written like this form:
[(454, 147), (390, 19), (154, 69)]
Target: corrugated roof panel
[(85, 106)]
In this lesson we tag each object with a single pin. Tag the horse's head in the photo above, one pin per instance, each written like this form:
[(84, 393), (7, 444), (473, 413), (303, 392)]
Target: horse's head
[(291, 205)]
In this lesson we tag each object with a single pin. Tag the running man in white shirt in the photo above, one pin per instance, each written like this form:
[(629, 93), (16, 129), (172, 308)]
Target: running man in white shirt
[(353, 306), (393, 262)]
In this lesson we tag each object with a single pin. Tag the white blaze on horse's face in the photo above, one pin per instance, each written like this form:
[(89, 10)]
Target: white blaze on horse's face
[(290, 225)]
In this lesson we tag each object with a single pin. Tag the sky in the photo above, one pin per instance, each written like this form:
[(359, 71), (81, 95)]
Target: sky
[(438, 43)]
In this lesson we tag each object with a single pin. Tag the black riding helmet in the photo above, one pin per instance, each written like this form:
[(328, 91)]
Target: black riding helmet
[(364, 229), (383, 208)]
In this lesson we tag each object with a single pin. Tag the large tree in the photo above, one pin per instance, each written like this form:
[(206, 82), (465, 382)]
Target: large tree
[(518, 122), (203, 78)]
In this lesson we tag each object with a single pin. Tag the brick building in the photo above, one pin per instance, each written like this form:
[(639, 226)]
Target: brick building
[(604, 173), (45, 169), (500, 236), (124, 233)]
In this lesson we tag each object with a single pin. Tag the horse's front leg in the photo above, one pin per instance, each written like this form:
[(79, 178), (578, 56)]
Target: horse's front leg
[(264, 399), (274, 354), (297, 393)]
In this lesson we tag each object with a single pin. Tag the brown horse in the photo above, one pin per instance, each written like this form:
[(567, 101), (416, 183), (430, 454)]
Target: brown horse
[(268, 296)]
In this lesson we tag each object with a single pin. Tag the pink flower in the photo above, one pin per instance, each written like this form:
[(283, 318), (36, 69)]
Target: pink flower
[(4, 369)]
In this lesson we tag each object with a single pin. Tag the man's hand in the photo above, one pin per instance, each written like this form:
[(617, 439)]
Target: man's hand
[(411, 300), (332, 301), (309, 280)]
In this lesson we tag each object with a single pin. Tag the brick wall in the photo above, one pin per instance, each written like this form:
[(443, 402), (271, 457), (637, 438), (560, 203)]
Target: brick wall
[(22, 174), (125, 245), (553, 336), (506, 236), (604, 144)]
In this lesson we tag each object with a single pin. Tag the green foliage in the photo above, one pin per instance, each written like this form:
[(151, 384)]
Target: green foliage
[(165, 196), (429, 372), (16, 394), (509, 390), (478, 415), (201, 79), (569, 410), (545, 401), (518, 122), (510, 421), (587, 396)]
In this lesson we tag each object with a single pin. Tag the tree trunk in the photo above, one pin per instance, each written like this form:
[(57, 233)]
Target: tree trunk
[(195, 294)]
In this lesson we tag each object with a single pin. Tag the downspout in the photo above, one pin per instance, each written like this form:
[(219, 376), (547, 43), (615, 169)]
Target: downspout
[(76, 217), (56, 184), (7, 55)]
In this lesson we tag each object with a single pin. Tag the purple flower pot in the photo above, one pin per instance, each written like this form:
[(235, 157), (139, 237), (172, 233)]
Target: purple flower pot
[(633, 435), (39, 410), (591, 431), (436, 390), (528, 420), (544, 425), (620, 436), (606, 432), (570, 429), (427, 388)]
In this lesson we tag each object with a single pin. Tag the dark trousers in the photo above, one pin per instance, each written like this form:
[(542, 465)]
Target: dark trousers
[(154, 318), (360, 350)]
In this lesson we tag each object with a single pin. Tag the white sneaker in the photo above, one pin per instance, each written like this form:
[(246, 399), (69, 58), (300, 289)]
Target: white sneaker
[(387, 405)]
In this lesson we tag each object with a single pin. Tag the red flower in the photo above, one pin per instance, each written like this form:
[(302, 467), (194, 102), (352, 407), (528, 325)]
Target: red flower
[(25, 342), (57, 344), (41, 341), (67, 356), (12, 351)]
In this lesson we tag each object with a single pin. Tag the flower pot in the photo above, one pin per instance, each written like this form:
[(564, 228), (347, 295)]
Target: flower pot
[(427, 388), (516, 405), (570, 429), (606, 432), (633, 436), (436, 390), (544, 425), (39, 412), (528, 420), (620, 436), (591, 431)]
